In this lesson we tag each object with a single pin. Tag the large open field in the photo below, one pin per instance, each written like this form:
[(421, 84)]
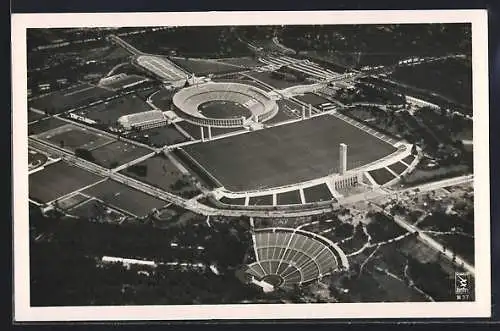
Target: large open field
[(205, 66), (429, 76), (242, 79), (118, 153), (74, 97), (34, 116), (312, 99), (286, 154), (162, 173), (72, 137), (124, 197), (288, 110), (57, 180), (159, 137), (45, 125), (223, 109), (266, 78), (108, 112)]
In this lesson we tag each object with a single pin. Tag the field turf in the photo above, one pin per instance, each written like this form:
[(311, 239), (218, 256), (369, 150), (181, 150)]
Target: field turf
[(409, 159), (204, 67), (381, 175), (266, 78), (243, 80), (159, 137), (45, 125), (317, 193), (58, 179), (72, 201), (235, 201), (124, 197), (161, 173), (34, 116), (223, 109), (93, 208), (286, 154), (312, 99), (108, 112), (74, 97), (263, 200), (72, 137), (117, 153), (288, 198), (397, 167), (285, 112)]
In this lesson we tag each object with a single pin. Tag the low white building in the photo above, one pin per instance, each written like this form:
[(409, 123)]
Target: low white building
[(143, 121)]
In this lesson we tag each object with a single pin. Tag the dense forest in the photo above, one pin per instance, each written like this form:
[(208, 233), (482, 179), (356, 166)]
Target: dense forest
[(66, 267)]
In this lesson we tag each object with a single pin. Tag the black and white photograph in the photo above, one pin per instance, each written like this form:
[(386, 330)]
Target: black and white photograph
[(243, 165)]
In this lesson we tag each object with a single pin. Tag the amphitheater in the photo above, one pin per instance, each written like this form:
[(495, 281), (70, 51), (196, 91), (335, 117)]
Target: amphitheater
[(188, 101), (287, 257)]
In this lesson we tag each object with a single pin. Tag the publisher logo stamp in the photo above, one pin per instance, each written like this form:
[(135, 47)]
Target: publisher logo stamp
[(462, 285)]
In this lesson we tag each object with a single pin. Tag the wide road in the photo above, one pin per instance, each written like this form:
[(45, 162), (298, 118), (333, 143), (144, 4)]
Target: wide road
[(199, 208)]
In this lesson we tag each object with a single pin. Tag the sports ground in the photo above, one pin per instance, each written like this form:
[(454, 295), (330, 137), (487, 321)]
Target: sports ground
[(108, 112), (57, 180), (73, 97), (72, 137), (123, 197), (286, 154)]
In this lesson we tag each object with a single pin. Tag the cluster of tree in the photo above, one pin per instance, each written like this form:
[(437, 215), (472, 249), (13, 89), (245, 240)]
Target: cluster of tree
[(432, 279), (383, 228), (369, 93), (58, 265), (181, 183), (143, 241), (216, 41), (403, 39), (57, 280), (430, 76), (288, 74)]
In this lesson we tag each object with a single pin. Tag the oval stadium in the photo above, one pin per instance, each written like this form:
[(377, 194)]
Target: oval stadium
[(287, 257), (224, 104)]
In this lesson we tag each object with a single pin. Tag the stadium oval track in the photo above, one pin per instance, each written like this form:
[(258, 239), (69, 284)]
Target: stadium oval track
[(188, 100)]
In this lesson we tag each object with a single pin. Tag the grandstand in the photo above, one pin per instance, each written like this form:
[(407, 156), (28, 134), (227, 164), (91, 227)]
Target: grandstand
[(143, 121), (288, 257), (162, 68), (188, 100)]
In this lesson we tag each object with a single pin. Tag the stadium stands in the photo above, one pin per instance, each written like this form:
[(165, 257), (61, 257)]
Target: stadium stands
[(255, 100), (289, 257)]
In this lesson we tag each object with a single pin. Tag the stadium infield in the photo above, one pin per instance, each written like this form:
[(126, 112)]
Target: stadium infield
[(286, 154), (57, 180)]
